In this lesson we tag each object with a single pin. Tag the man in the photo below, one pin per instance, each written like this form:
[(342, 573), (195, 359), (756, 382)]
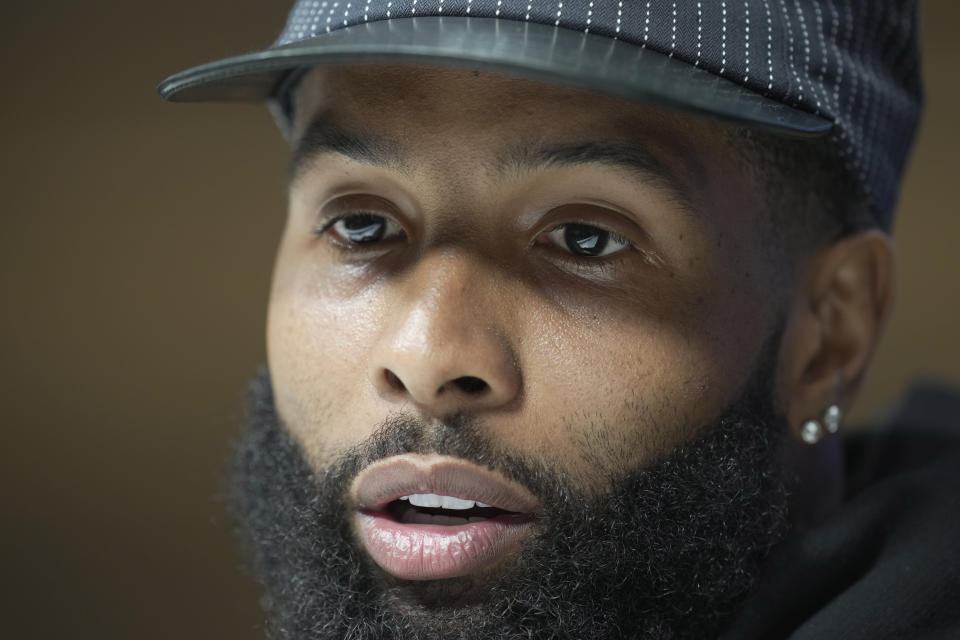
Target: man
[(570, 303)]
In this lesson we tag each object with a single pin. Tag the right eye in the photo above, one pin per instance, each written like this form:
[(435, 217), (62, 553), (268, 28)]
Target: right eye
[(354, 230)]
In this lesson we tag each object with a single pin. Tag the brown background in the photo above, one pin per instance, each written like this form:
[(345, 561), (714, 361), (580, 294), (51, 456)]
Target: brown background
[(135, 253)]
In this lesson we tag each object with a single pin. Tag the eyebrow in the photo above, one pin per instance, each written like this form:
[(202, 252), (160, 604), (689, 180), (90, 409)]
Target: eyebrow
[(631, 157), (323, 137)]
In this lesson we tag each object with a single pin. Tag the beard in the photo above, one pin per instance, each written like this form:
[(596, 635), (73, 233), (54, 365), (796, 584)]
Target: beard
[(669, 551)]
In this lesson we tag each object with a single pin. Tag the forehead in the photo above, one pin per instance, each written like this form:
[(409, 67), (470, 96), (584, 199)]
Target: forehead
[(473, 105), (456, 125)]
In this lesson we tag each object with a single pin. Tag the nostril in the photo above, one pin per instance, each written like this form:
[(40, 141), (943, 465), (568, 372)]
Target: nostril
[(470, 384), (393, 381)]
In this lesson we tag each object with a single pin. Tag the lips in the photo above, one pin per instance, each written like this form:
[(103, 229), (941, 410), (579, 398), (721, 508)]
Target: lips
[(427, 517)]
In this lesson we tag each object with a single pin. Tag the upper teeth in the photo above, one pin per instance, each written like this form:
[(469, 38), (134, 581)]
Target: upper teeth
[(435, 501)]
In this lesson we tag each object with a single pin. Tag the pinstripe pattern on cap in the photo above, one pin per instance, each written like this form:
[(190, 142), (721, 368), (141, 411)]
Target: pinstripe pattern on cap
[(854, 62)]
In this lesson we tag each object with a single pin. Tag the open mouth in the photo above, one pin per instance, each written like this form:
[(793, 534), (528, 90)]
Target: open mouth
[(425, 517), (434, 509)]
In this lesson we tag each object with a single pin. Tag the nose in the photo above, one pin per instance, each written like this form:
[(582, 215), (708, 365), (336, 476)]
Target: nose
[(443, 347)]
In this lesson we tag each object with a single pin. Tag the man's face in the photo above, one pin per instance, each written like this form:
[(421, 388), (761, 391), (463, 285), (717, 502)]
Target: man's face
[(513, 294), (479, 189)]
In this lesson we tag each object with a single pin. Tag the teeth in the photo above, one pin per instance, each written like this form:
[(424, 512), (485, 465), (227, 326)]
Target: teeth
[(434, 501)]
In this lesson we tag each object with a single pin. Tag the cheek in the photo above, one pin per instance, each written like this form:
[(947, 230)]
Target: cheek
[(612, 393), (615, 382), (317, 341)]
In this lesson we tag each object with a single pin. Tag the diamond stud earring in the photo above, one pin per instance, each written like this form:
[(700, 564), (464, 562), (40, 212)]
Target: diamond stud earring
[(812, 432), (831, 418)]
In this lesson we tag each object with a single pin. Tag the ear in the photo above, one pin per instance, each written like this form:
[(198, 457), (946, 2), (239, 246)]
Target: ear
[(837, 315)]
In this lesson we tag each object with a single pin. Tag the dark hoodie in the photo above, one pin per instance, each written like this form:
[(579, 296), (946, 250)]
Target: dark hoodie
[(888, 564)]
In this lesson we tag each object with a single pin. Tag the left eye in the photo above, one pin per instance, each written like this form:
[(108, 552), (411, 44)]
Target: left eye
[(363, 228), (586, 240)]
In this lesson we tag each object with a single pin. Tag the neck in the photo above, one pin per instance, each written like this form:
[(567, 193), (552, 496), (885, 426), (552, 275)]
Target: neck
[(819, 478)]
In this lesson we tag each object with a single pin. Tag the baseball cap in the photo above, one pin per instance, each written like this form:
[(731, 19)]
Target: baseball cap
[(847, 70)]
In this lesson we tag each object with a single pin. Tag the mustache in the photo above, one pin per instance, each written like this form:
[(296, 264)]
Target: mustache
[(276, 453), (460, 436)]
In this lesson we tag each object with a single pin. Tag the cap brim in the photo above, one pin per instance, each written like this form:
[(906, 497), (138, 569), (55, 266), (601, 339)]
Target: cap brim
[(539, 52)]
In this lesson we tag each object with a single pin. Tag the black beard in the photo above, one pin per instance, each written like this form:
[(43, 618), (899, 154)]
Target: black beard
[(668, 552)]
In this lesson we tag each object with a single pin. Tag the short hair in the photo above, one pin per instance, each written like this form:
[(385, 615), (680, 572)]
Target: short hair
[(811, 195)]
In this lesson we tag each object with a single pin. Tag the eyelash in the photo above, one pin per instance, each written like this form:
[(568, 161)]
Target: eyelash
[(583, 263), (611, 236), (325, 228)]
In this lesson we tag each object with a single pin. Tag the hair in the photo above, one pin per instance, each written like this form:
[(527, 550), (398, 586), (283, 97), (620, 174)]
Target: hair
[(813, 199)]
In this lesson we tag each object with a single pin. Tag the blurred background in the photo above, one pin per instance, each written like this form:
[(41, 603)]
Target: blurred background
[(135, 255)]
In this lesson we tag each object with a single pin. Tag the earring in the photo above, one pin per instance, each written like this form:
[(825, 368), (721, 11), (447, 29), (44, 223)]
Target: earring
[(831, 418), (813, 431)]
